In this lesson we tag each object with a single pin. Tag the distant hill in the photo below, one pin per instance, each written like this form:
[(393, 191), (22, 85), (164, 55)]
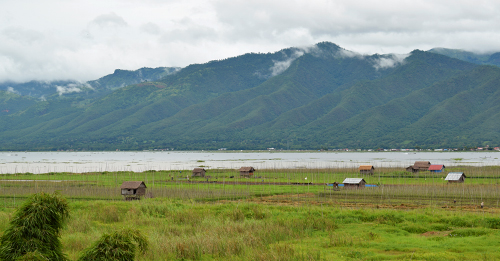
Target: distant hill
[(491, 59), (319, 97), (120, 78)]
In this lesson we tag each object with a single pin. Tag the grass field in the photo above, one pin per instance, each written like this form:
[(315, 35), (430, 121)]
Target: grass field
[(267, 217)]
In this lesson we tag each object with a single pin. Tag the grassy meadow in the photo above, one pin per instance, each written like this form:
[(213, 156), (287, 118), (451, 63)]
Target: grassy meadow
[(279, 214)]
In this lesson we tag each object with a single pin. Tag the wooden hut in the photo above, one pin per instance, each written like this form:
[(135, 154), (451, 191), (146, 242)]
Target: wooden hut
[(199, 172), (455, 177), (133, 189), (246, 171), (419, 166), (354, 183), (436, 168), (366, 169)]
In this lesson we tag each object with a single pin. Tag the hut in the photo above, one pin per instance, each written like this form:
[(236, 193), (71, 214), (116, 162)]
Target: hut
[(366, 169), (354, 183), (246, 171), (436, 168), (419, 166), (133, 189), (199, 172), (455, 177)]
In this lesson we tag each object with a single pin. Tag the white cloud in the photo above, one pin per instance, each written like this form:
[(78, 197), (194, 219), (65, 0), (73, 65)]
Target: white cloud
[(68, 89), (109, 20), (11, 89), (85, 40), (390, 60), (281, 66)]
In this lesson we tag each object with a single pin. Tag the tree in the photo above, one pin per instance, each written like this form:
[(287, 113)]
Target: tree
[(119, 245), (33, 233)]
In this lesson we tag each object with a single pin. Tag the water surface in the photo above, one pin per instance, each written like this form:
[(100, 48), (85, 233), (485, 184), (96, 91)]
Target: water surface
[(79, 162)]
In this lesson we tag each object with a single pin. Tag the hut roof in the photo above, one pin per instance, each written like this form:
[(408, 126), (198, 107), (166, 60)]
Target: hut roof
[(196, 170), (353, 181), (247, 169), (132, 184), (436, 167), (366, 167), (454, 176), (422, 164)]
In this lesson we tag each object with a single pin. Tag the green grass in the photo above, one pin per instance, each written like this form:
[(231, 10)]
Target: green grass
[(244, 230), (266, 217)]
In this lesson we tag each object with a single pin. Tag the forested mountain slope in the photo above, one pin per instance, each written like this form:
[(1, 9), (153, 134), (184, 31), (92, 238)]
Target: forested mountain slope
[(308, 98)]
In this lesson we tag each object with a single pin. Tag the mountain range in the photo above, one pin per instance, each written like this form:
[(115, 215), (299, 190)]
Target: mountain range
[(319, 97)]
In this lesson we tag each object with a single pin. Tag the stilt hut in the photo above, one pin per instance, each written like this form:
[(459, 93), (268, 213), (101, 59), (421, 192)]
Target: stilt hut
[(455, 177), (246, 171), (366, 169), (133, 190), (199, 172), (354, 183)]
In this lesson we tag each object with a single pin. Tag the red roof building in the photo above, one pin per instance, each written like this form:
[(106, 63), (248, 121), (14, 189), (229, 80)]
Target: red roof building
[(436, 168)]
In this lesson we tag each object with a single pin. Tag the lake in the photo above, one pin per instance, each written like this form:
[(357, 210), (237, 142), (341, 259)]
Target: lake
[(138, 161)]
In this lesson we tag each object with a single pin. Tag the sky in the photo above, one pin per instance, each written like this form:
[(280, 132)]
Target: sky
[(87, 39)]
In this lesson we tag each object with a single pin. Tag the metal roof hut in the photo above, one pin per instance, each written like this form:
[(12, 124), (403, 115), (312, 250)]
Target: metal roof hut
[(199, 172), (354, 183), (366, 169), (419, 166), (436, 168), (246, 171), (133, 189), (455, 177)]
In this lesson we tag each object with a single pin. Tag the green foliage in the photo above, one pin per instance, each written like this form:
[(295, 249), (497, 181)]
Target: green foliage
[(469, 232), (34, 231), (121, 245)]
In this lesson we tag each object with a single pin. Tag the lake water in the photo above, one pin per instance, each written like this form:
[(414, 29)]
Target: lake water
[(79, 162)]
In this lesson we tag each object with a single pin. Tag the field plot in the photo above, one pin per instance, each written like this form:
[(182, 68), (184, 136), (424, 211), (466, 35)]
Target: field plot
[(280, 214), (386, 186)]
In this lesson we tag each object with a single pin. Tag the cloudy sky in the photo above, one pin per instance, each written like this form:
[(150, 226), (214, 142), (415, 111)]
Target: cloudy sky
[(87, 39)]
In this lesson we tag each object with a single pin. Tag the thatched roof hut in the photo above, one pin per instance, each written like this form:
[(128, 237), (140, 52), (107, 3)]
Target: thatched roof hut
[(246, 171), (133, 189), (419, 166), (455, 177), (366, 169), (199, 172)]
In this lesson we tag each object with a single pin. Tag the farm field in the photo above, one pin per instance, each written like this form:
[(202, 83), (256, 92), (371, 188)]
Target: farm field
[(279, 214)]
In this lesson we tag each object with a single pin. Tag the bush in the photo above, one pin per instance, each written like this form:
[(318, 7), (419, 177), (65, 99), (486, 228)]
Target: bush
[(33, 233), (120, 245)]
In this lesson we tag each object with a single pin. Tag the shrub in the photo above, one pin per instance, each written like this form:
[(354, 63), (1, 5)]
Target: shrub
[(119, 245), (33, 233)]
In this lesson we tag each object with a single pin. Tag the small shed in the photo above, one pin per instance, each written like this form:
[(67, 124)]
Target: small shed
[(199, 172), (366, 169), (419, 166), (354, 183), (455, 177), (246, 171), (133, 189), (436, 168)]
